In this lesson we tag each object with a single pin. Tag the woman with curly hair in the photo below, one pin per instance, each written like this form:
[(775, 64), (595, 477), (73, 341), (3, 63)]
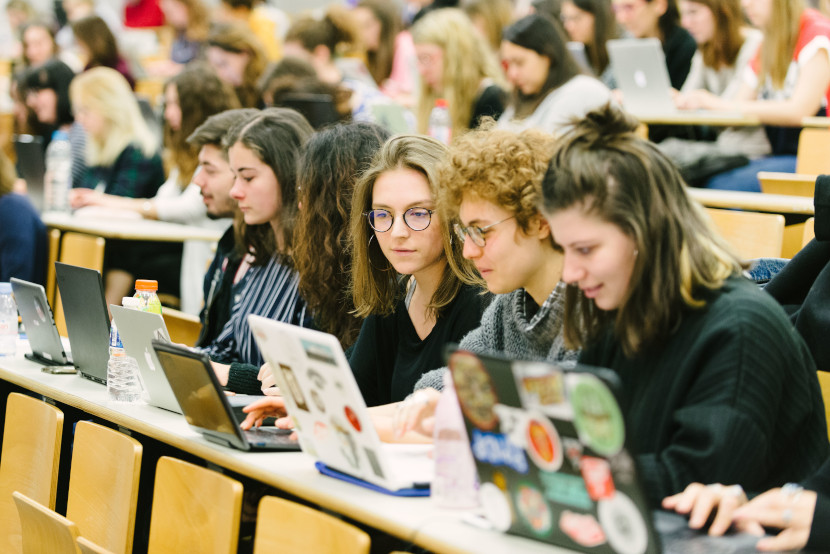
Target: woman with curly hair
[(331, 163), (238, 59), (455, 64)]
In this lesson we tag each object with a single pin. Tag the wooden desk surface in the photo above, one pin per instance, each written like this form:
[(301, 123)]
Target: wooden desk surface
[(691, 117), (754, 201), (129, 228), (816, 122), (415, 520)]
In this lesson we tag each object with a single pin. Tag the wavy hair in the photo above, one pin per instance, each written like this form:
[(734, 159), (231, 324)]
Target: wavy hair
[(336, 30), (333, 160), (201, 94), (467, 62), (237, 38), (604, 169), (277, 137), (375, 287), (106, 92)]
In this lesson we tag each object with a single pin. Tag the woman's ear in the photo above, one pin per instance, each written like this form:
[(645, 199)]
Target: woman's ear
[(539, 226)]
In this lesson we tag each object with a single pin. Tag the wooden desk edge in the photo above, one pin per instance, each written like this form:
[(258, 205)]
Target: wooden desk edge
[(755, 201)]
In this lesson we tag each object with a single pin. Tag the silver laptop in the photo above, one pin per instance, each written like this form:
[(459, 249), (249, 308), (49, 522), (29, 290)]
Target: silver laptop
[(137, 330), (44, 340), (577, 50), (31, 164), (331, 418)]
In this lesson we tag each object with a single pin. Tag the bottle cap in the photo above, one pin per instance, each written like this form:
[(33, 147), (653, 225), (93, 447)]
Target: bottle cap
[(131, 302), (60, 135), (5, 288), (441, 103), (146, 284)]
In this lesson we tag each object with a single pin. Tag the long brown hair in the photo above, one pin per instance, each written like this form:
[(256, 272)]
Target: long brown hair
[(237, 38), (375, 287), (603, 168), (379, 61), (723, 48), (332, 162)]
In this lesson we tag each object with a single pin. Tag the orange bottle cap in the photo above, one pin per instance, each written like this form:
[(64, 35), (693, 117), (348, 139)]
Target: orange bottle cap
[(146, 284)]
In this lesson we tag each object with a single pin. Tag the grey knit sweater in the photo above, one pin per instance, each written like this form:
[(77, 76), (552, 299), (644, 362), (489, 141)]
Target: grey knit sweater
[(505, 330)]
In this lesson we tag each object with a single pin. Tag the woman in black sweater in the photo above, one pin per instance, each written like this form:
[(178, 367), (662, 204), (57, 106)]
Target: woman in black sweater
[(717, 385)]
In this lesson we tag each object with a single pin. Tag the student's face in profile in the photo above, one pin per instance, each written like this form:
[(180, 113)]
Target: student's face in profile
[(229, 66), (430, 59), (759, 12), (698, 19), (369, 27), (172, 109), (93, 122), (215, 179), (44, 103), (578, 23), (599, 257), (510, 258), (175, 13), (525, 68), (410, 252), (38, 46), (640, 17), (255, 187)]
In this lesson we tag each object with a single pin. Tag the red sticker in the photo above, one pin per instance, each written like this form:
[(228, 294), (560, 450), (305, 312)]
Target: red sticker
[(352, 417), (583, 529), (597, 475)]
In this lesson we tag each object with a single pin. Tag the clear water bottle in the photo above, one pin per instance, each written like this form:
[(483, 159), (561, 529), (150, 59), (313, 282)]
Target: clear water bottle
[(8, 321), (455, 484), (440, 126), (58, 178), (146, 292), (123, 384)]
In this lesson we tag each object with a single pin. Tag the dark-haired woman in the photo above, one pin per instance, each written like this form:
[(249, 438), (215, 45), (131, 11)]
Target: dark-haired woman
[(717, 385), (592, 23), (549, 90), (98, 47)]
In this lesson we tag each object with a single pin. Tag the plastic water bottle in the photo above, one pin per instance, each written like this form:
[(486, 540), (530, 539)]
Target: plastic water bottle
[(8, 321), (145, 291), (58, 178), (123, 383), (440, 126), (455, 484)]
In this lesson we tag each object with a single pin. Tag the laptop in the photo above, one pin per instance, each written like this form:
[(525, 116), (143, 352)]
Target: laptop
[(580, 56), (550, 450), (205, 404), (331, 418), (31, 165), (639, 66), (87, 322), (137, 330), (44, 340)]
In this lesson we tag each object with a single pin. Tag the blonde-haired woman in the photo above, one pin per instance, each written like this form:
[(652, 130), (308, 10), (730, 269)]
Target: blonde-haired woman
[(455, 64), (122, 154), (409, 279)]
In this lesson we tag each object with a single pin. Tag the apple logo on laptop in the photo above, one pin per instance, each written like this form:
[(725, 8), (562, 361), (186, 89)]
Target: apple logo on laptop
[(640, 78)]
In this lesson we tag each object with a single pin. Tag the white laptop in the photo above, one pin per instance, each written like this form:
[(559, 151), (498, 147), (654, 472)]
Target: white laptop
[(47, 346), (331, 418)]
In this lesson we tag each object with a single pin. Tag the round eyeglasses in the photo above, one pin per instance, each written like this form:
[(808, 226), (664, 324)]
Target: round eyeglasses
[(475, 233), (416, 219)]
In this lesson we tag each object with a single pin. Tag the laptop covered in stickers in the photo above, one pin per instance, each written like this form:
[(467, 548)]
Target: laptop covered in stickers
[(550, 449), (330, 416)]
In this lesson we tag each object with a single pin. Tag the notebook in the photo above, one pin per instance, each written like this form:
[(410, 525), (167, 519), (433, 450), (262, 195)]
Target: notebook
[(31, 164), (205, 404), (137, 330), (550, 450), (44, 340), (331, 418), (87, 322)]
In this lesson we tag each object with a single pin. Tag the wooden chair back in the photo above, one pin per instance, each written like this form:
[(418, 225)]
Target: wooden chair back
[(194, 509), (44, 530), (291, 528), (103, 485), (86, 546), (792, 184), (53, 240), (824, 383), (753, 235), (29, 461), (183, 328), (81, 250), (809, 231), (813, 146)]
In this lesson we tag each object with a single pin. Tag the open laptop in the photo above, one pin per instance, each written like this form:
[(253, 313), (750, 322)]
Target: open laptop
[(550, 450), (31, 165), (328, 410), (87, 322), (580, 56), (205, 404), (44, 340)]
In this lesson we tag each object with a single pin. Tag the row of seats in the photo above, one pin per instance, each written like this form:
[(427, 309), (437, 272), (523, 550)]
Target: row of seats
[(193, 508)]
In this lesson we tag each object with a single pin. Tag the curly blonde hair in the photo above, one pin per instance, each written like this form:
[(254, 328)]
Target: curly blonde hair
[(499, 166)]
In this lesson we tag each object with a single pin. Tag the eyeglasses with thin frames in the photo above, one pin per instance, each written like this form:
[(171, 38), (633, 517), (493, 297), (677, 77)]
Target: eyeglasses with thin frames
[(476, 233), (415, 218)]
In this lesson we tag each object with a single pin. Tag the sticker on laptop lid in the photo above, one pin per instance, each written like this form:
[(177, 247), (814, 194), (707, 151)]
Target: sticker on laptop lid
[(583, 529), (543, 444), (474, 389), (533, 509), (496, 507), (623, 524), (597, 415), (542, 386)]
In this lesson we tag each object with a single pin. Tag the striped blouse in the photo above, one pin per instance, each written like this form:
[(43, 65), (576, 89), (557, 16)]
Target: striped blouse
[(269, 291)]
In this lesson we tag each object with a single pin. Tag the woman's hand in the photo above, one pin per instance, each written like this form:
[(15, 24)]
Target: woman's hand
[(789, 508), (416, 413), (702, 100), (698, 501), (270, 406), (81, 197)]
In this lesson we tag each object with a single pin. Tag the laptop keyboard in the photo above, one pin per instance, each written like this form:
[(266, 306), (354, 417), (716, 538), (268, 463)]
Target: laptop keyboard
[(268, 435), (677, 538)]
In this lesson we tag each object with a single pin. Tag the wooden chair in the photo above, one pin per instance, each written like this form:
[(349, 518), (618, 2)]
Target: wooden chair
[(44, 530), (753, 235), (194, 509), (86, 546), (811, 161), (53, 239), (824, 383), (183, 328), (793, 184), (285, 526), (81, 250), (797, 236), (103, 485), (29, 461)]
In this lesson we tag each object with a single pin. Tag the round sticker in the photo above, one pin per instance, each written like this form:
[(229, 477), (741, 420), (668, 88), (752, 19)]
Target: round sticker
[(496, 507), (475, 391), (623, 524), (597, 415), (533, 509), (352, 417), (583, 529), (543, 444)]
